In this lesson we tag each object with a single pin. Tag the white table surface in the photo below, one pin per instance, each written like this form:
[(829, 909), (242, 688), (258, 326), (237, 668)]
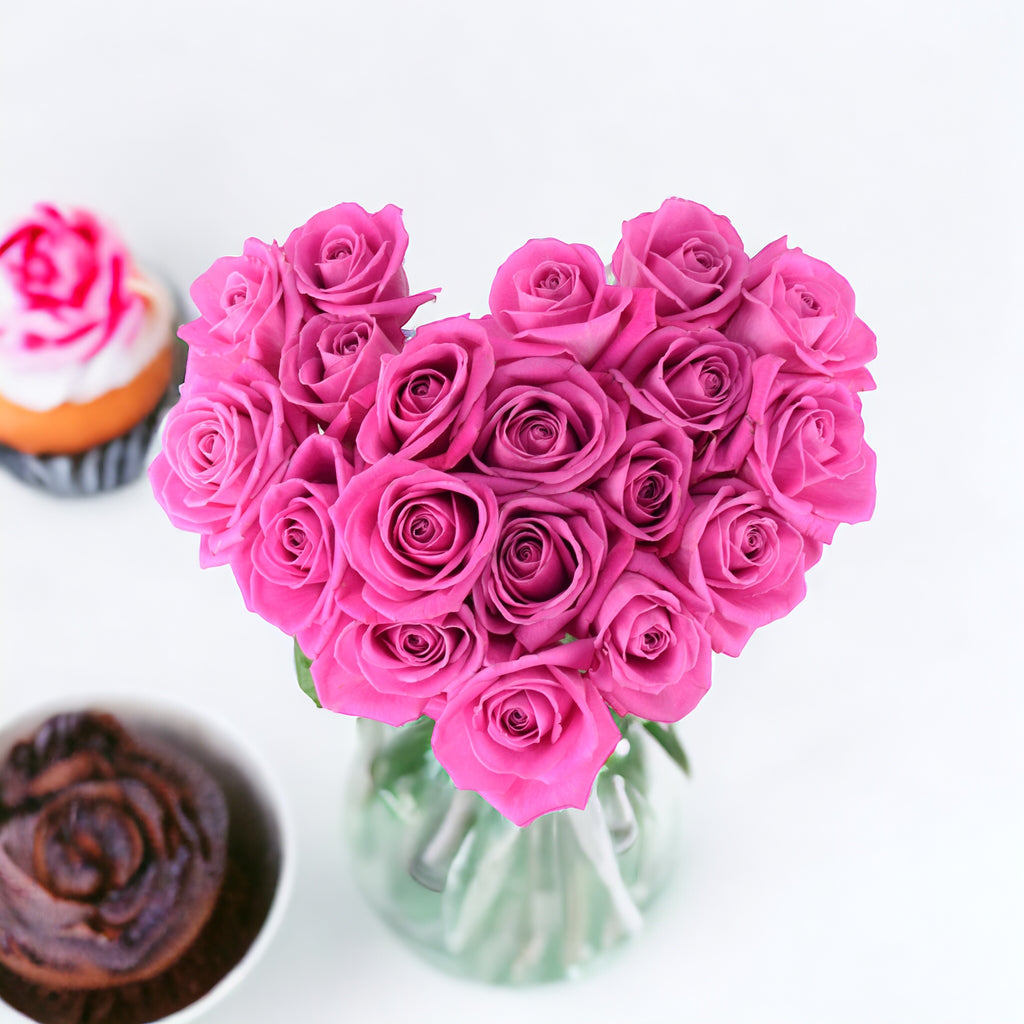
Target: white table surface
[(854, 836)]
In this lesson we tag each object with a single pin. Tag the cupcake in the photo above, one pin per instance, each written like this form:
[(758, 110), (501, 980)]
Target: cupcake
[(87, 353), (137, 866)]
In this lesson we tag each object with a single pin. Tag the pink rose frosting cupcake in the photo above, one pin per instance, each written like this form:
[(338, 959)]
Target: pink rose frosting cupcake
[(86, 353)]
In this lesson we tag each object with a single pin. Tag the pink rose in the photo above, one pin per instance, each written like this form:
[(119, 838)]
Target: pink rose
[(396, 671), (416, 537), (346, 258), (743, 559), (698, 380), (551, 554), (247, 306), (290, 563), (332, 358), (550, 295), (645, 493), (809, 454), (430, 397), (224, 444), (548, 427), (652, 655), (528, 735), (800, 309), (691, 257), (75, 289)]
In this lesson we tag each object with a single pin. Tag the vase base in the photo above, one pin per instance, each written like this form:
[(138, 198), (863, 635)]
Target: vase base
[(482, 898)]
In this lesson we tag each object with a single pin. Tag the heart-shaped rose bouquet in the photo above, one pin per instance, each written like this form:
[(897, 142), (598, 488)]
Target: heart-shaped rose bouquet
[(527, 525)]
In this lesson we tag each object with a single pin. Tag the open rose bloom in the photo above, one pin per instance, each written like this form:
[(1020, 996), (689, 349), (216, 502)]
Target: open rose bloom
[(530, 524)]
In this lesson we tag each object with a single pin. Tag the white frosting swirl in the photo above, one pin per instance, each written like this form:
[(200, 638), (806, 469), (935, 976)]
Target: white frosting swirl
[(44, 384)]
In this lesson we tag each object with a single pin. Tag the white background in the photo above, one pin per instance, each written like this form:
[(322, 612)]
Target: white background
[(853, 845)]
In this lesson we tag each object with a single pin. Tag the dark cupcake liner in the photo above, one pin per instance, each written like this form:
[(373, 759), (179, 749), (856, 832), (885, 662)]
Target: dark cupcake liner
[(103, 468)]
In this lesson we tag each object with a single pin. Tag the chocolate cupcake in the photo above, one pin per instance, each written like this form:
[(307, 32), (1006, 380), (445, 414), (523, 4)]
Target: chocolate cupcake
[(137, 865), (88, 357)]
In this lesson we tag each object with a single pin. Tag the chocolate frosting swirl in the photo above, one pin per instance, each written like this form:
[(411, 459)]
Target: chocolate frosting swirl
[(112, 854)]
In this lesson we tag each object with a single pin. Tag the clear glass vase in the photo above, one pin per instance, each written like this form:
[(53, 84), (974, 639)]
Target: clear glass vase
[(486, 899)]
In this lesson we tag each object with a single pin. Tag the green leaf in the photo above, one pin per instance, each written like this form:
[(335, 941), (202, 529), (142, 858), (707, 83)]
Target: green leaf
[(621, 721), (631, 763), (304, 675), (669, 742)]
